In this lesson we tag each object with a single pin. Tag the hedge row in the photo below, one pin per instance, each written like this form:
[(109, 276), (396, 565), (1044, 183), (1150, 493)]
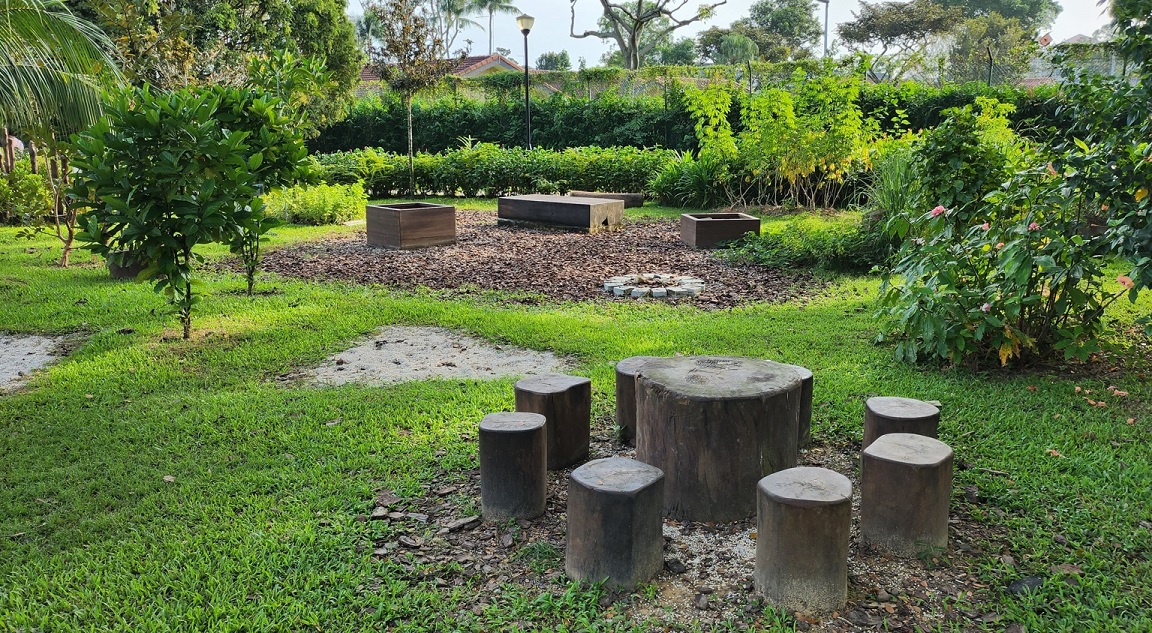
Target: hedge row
[(485, 169), (608, 120)]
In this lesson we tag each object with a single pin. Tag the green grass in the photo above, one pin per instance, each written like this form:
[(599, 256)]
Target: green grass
[(257, 529)]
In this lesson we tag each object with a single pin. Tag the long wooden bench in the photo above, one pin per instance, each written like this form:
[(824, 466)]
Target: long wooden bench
[(630, 200), (572, 212)]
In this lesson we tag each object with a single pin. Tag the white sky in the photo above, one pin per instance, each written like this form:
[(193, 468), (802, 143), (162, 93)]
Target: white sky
[(553, 17)]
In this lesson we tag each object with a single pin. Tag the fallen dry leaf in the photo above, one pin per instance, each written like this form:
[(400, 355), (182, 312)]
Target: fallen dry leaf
[(1054, 453), (1131, 421), (1031, 387), (169, 478)]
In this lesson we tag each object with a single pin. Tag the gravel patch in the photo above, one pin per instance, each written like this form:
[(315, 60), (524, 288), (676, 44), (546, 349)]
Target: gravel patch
[(20, 355), (403, 353)]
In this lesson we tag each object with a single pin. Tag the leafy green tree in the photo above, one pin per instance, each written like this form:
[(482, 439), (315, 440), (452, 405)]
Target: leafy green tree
[(1032, 14), (554, 61), (492, 7), (191, 42), (737, 49), (1012, 49), (408, 59), (637, 28), (161, 175), (675, 52), (897, 33), (791, 23), (447, 18)]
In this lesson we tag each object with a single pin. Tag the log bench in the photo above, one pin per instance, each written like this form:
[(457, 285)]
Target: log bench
[(630, 200), (716, 425), (571, 212)]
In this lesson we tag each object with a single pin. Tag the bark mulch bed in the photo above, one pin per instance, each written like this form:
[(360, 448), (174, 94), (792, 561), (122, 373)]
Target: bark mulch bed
[(565, 266)]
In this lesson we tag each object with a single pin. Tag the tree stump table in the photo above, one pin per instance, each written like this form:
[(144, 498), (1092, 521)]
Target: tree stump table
[(626, 371), (716, 425)]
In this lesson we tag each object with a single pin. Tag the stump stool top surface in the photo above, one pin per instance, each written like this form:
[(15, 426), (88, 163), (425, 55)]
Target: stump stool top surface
[(549, 383), (909, 448), (901, 408), (807, 486), (633, 364), (617, 475), (511, 422), (721, 377), (805, 373)]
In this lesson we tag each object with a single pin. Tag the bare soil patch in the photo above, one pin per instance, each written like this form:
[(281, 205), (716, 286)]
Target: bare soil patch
[(401, 353), (560, 265), (21, 355)]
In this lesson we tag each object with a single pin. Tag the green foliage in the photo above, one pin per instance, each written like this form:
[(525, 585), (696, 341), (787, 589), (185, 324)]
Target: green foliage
[(24, 196), (1011, 45), (1019, 280), (1032, 14), (692, 182), (316, 204), (846, 242), (962, 160), (486, 169), (898, 31), (165, 173), (554, 61)]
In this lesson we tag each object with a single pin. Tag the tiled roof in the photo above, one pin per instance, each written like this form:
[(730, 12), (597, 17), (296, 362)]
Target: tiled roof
[(463, 67)]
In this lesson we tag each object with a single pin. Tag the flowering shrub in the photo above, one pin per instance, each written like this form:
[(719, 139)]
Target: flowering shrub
[(1024, 282)]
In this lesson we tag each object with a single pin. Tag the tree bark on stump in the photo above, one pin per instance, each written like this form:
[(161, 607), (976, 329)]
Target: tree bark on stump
[(716, 425), (566, 404), (626, 371)]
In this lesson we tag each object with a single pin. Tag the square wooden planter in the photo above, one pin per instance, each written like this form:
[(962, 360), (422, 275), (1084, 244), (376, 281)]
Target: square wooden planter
[(410, 224), (707, 230)]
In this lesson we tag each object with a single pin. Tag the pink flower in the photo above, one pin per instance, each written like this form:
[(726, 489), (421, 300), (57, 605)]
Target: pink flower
[(999, 245), (1033, 227), (939, 210), (1126, 281), (985, 226), (986, 307)]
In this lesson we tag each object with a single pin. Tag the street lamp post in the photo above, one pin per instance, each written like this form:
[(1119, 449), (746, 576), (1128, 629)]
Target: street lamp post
[(825, 3), (524, 23)]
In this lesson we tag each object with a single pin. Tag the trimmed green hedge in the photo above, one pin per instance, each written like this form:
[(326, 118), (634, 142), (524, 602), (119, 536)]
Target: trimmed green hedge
[(485, 169), (317, 204), (611, 120)]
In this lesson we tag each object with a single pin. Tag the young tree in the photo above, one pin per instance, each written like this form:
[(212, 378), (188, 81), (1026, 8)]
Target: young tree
[(408, 59), (737, 49), (492, 7), (900, 31), (675, 52), (554, 61), (628, 21)]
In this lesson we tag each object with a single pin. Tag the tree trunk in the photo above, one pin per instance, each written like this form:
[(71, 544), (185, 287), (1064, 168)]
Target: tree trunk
[(32, 157), (411, 161), (490, 14)]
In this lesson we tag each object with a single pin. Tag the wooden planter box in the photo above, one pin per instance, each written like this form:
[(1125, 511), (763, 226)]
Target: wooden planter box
[(707, 230), (410, 224)]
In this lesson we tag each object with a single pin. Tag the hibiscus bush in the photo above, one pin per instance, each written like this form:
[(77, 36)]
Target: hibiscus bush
[(1025, 280)]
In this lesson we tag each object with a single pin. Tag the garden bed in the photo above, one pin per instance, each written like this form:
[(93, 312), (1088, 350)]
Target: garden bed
[(558, 265)]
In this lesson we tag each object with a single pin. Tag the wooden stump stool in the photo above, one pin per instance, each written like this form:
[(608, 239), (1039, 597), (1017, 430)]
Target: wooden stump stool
[(566, 403), (715, 425), (905, 485), (804, 425), (513, 472), (899, 415), (626, 395), (615, 531), (803, 518)]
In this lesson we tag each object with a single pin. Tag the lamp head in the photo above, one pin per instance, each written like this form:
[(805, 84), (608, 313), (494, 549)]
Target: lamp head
[(524, 23)]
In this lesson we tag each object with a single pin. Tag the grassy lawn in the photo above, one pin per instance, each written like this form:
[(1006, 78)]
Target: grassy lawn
[(153, 484)]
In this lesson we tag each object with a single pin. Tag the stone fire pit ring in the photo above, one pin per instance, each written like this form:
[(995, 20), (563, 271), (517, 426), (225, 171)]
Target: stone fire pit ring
[(654, 285)]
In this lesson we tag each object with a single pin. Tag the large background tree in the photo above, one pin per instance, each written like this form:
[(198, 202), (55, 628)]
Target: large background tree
[(1032, 14), (175, 43), (897, 33), (781, 29), (636, 27)]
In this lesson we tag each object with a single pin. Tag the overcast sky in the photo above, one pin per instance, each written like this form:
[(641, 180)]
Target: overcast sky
[(553, 18)]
